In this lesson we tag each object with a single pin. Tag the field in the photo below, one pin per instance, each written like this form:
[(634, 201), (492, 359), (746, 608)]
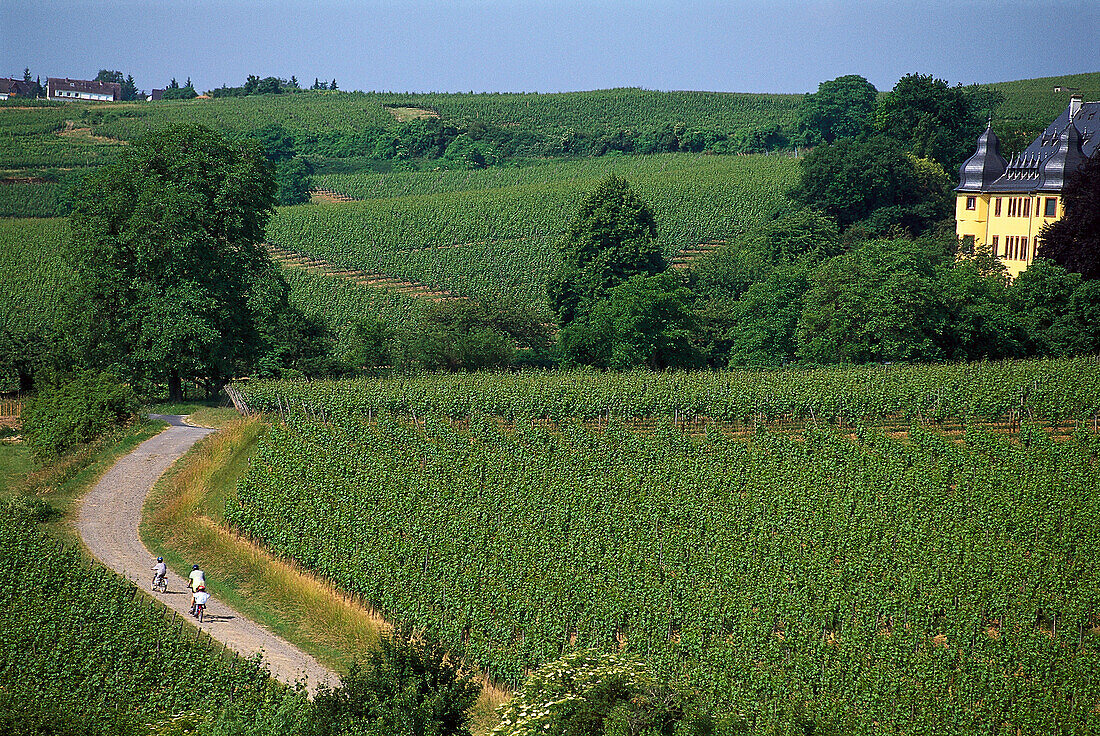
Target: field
[(365, 131), (486, 234), (80, 646), (1054, 390), (311, 116), (848, 581), (491, 233), (34, 282)]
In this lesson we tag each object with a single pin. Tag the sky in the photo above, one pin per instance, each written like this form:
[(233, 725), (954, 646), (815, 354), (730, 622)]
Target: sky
[(551, 45)]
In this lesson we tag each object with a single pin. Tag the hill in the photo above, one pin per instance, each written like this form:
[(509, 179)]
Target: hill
[(490, 234), (44, 146), (1031, 104)]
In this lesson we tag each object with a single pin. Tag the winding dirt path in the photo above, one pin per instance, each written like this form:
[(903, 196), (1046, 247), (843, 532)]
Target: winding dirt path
[(108, 520)]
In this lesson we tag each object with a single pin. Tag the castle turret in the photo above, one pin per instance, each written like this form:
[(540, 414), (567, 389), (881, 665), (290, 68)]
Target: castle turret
[(1065, 160), (985, 166)]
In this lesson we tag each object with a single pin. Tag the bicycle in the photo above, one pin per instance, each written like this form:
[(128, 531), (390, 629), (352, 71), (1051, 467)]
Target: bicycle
[(160, 582), (200, 609)]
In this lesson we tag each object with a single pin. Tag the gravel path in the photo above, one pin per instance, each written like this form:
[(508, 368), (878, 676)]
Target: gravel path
[(108, 523)]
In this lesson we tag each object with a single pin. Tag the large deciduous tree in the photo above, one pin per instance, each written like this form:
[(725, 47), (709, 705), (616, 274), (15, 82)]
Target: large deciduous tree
[(165, 245), (1074, 241), (851, 179), (612, 237), (933, 119), (841, 108), (646, 321)]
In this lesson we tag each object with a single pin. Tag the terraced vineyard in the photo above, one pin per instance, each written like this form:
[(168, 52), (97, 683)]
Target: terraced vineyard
[(293, 261), (843, 581), (491, 233)]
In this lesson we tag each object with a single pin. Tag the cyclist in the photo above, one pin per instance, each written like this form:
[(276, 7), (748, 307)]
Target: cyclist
[(198, 600), (195, 581), (159, 571)]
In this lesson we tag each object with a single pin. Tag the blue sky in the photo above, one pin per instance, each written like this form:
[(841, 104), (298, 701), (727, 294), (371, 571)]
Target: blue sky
[(549, 46)]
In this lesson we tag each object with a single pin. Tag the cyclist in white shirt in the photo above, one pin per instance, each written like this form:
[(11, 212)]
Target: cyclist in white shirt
[(196, 581), (199, 599)]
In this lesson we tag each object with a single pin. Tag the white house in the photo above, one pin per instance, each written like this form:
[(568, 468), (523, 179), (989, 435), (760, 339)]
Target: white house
[(80, 89)]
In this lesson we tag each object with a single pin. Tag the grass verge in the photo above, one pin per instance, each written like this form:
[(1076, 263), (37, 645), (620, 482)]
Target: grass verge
[(184, 521)]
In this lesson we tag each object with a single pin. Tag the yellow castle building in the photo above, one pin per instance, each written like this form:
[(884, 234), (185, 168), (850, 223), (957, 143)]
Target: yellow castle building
[(1005, 204)]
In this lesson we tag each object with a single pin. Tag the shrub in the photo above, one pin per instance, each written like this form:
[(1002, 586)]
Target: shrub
[(592, 693), (407, 687), (73, 409)]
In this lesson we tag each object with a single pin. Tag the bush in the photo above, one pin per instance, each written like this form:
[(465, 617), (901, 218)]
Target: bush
[(74, 409), (409, 688), (592, 693)]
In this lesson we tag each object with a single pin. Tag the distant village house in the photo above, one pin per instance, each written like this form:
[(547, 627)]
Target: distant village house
[(82, 89), (15, 88)]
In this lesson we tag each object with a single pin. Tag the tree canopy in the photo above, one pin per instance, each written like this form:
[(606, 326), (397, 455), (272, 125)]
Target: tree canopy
[(841, 108), (166, 244), (1074, 240), (932, 119), (853, 179), (612, 237)]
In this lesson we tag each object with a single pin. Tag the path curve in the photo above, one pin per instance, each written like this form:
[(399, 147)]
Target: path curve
[(108, 521)]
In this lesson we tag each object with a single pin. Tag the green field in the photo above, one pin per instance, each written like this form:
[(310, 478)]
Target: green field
[(487, 234), (491, 233), (34, 282), (312, 116), (1052, 390), (849, 583), (365, 131)]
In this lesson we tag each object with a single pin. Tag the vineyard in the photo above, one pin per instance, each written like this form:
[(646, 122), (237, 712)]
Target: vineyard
[(844, 582), (82, 646), (340, 304), (1055, 391), (312, 117), (491, 234), (34, 282)]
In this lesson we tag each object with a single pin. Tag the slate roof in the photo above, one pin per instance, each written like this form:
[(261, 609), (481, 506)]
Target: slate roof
[(1044, 165), (16, 87), (81, 85)]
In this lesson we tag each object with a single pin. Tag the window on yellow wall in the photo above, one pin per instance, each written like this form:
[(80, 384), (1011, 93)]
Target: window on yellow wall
[(993, 244), (1051, 207), (1011, 206), (1023, 248), (997, 207), (1027, 207), (972, 203)]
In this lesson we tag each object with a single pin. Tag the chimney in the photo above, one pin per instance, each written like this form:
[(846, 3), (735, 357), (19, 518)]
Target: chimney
[(1074, 106)]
